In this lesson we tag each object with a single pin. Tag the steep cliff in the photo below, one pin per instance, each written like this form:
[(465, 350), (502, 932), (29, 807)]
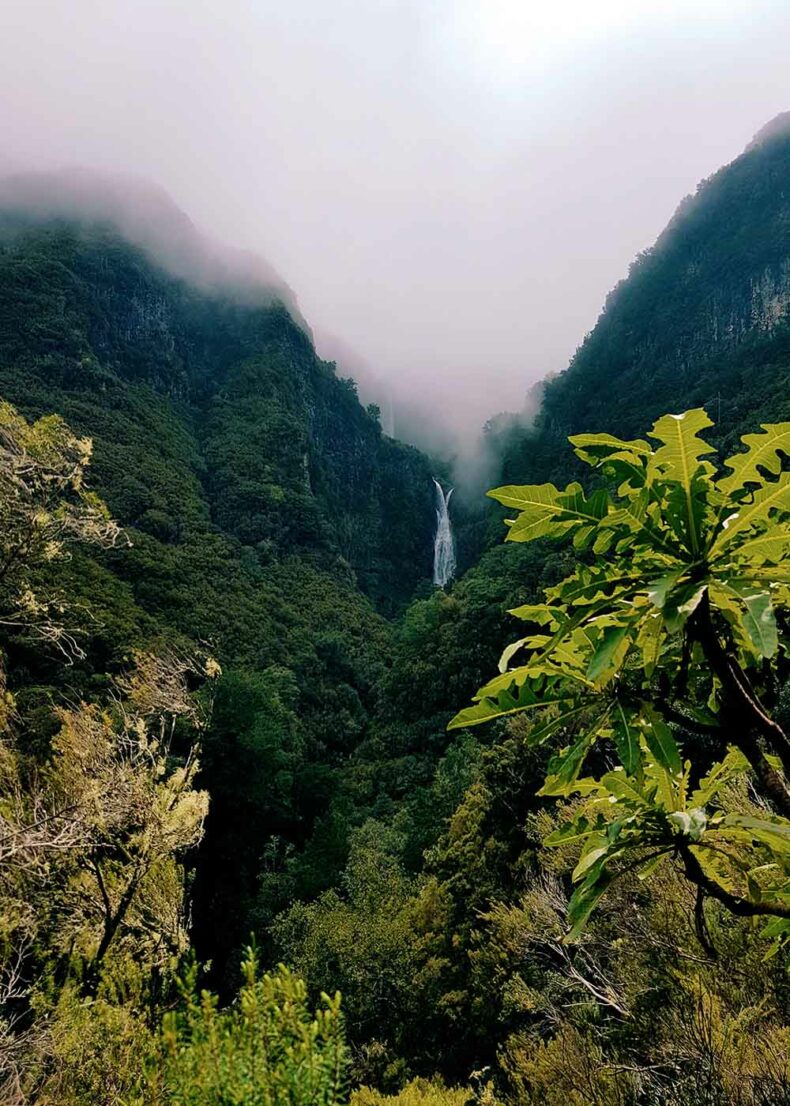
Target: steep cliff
[(269, 519), (702, 318), (206, 411)]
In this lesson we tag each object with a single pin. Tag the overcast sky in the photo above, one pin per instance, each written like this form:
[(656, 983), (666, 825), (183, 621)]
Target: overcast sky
[(450, 186)]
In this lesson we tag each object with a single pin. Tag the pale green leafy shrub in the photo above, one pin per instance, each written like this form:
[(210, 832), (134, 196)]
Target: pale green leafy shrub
[(267, 1049), (420, 1092)]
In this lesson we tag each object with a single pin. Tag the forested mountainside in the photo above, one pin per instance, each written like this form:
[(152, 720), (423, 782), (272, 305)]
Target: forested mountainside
[(701, 320), (267, 517), (255, 437), (267, 525), (474, 964)]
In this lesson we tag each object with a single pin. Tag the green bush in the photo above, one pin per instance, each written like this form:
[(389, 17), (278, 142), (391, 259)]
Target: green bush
[(268, 1049), (94, 1049), (420, 1092)]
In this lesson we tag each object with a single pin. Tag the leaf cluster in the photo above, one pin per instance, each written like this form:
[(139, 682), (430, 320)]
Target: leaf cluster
[(665, 630)]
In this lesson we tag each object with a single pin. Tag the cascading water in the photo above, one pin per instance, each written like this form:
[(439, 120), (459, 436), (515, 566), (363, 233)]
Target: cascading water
[(443, 547)]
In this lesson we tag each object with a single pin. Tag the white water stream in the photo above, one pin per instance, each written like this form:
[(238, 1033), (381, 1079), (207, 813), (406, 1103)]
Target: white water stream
[(443, 547)]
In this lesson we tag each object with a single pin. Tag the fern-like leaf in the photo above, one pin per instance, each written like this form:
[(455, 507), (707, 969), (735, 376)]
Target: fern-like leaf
[(764, 452)]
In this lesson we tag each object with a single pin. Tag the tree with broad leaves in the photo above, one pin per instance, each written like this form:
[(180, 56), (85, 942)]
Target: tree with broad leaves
[(662, 650)]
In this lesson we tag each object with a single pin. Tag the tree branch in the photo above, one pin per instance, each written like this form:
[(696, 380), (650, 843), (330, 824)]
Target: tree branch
[(745, 711), (744, 908)]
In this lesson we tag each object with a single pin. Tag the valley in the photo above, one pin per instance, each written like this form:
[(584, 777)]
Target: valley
[(344, 601)]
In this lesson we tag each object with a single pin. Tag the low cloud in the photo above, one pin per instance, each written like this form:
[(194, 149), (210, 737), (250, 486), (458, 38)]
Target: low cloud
[(449, 186)]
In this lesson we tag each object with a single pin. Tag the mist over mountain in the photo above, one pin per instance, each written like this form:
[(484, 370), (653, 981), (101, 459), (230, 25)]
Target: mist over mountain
[(244, 688), (703, 319), (777, 127), (111, 297), (143, 214), (146, 216)]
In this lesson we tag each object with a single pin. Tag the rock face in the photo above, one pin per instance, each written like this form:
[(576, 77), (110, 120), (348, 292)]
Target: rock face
[(280, 456), (702, 318)]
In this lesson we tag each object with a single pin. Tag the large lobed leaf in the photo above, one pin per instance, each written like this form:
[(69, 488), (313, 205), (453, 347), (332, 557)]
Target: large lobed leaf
[(680, 456), (547, 512), (765, 451), (679, 460), (509, 698), (671, 545), (768, 500)]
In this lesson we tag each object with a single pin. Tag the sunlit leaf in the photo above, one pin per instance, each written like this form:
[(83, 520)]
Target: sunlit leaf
[(733, 765), (511, 699), (626, 740), (663, 745), (679, 456), (539, 613), (621, 786), (764, 452), (767, 499), (584, 900), (609, 654), (565, 766), (760, 623), (775, 834), (545, 511), (679, 459)]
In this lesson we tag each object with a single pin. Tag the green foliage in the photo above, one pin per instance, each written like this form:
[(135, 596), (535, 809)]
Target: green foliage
[(267, 516), (93, 887), (631, 1012), (697, 320), (370, 938), (253, 432), (673, 625), (96, 1047), (399, 945), (95, 822), (420, 1092), (268, 1049), (44, 508)]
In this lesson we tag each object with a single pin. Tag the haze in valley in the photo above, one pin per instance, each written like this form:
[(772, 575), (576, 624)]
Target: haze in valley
[(451, 187)]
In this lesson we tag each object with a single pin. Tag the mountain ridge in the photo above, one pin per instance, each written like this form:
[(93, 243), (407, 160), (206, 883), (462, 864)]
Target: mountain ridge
[(709, 299), (118, 321)]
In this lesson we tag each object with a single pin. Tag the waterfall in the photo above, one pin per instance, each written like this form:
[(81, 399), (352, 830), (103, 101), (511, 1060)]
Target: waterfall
[(443, 548)]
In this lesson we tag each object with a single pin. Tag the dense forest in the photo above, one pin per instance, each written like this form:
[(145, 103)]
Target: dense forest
[(281, 822)]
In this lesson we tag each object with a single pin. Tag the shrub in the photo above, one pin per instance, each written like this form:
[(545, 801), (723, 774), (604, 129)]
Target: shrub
[(268, 1049)]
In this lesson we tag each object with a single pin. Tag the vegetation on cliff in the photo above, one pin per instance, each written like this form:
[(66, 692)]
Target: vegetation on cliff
[(227, 684)]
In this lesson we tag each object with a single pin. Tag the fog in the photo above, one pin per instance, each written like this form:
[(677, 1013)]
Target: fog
[(147, 216), (450, 187)]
